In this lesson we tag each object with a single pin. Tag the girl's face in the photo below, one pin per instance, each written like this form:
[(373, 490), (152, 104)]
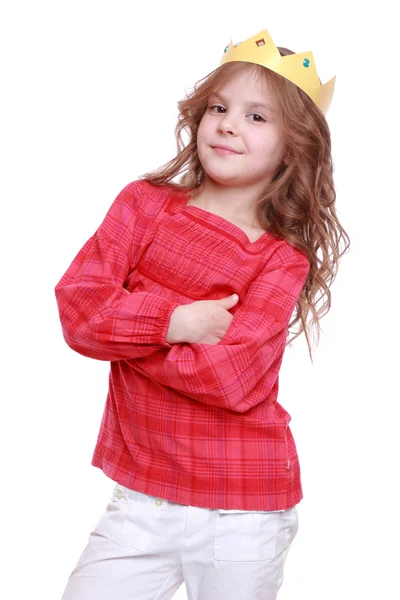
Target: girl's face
[(241, 116)]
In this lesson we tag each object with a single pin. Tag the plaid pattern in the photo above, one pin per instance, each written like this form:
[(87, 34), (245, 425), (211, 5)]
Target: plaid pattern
[(196, 424)]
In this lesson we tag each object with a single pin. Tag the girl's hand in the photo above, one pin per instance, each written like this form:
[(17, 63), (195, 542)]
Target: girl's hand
[(201, 322)]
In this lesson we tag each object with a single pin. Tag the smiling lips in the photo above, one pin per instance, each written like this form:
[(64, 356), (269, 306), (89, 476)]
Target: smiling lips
[(222, 149)]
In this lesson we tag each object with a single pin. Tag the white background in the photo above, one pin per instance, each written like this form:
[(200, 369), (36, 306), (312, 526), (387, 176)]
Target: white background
[(88, 103)]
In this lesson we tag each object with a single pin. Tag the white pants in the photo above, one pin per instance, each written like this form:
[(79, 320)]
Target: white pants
[(144, 548)]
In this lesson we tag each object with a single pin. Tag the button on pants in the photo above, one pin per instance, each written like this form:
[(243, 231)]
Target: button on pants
[(145, 548)]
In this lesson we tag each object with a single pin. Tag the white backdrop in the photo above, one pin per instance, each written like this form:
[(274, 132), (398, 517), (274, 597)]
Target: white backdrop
[(88, 103)]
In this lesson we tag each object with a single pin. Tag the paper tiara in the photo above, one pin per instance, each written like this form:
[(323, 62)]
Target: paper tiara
[(298, 68)]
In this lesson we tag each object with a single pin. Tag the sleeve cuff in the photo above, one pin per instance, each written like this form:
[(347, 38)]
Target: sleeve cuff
[(166, 310)]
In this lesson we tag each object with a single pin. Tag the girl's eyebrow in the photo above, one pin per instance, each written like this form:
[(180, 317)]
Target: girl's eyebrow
[(248, 104)]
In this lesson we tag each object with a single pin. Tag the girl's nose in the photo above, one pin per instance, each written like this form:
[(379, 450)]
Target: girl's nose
[(226, 127)]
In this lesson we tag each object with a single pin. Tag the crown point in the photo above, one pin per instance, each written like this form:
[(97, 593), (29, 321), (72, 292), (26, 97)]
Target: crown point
[(306, 62)]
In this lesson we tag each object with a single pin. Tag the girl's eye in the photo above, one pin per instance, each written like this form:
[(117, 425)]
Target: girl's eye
[(260, 119), (256, 115), (216, 106)]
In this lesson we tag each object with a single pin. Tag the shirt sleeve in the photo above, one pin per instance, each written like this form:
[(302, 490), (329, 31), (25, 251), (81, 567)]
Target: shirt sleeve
[(239, 371), (99, 317)]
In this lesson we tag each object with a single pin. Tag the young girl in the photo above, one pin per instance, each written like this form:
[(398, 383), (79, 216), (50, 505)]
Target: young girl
[(188, 289)]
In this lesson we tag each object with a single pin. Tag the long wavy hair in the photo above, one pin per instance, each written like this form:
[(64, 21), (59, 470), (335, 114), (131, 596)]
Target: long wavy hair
[(298, 205)]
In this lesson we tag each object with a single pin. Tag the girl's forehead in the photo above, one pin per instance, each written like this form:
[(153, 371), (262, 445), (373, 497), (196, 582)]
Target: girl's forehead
[(255, 93), (245, 83)]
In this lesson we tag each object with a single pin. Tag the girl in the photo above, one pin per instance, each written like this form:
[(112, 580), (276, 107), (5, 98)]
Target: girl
[(188, 289)]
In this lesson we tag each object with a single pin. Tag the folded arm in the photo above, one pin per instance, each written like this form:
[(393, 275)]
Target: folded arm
[(99, 317), (239, 371)]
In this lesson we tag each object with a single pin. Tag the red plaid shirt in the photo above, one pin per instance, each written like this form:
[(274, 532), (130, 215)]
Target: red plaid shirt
[(196, 424)]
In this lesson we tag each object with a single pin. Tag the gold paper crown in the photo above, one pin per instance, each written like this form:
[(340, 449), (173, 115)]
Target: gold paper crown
[(298, 68)]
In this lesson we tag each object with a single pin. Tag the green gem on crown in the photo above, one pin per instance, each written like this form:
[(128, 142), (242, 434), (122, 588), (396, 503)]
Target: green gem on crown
[(306, 62)]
